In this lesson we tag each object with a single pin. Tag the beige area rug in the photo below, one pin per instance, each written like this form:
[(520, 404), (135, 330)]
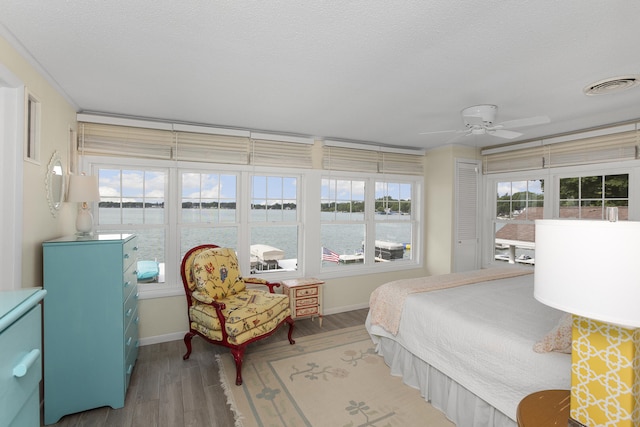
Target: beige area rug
[(328, 379)]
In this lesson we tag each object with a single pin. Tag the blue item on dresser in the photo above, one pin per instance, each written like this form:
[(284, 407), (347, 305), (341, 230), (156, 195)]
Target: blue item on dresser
[(148, 271)]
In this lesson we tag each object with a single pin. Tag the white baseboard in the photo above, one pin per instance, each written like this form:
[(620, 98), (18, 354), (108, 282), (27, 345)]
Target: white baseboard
[(344, 308), (175, 336)]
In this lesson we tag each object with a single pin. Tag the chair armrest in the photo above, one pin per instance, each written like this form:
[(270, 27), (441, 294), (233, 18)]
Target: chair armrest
[(206, 299), (257, 281)]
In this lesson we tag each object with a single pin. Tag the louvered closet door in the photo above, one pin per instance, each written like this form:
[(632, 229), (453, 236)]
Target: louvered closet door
[(467, 231)]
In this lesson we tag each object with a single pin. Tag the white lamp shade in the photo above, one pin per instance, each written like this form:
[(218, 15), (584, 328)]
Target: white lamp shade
[(590, 268), (83, 188)]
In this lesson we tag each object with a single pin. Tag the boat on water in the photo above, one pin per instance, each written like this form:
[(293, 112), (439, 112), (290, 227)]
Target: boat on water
[(389, 250), (265, 257), (522, 259), (268, 258)]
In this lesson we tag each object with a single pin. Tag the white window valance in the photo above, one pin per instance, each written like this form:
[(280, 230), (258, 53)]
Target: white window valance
[(129, 141), (349, 157), (618, 144)]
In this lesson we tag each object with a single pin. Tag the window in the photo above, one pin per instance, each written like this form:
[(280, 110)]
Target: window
[(518, 204), (360, 227), (208, 210), (586, 197), (393, 221), (32, 131), (274, 223), (133, 200), (342, 213)]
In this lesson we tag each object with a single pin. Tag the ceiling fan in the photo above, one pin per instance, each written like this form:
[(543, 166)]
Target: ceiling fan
[(479, 120)]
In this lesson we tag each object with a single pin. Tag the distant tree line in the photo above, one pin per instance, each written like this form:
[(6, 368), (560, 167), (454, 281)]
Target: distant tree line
[(382, 205)]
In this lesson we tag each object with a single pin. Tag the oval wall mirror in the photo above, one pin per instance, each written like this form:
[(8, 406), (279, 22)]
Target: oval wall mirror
[(54, 183)]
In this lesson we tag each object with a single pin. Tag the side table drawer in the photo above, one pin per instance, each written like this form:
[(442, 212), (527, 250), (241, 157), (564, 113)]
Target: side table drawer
[(20, 367), (305, 292), (306, 311), (303, 302)]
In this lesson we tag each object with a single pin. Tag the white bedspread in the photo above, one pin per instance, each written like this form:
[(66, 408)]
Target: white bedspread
[(481, 336)]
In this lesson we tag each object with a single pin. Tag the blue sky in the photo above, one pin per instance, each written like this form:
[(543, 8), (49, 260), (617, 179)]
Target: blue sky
[(133, 185)]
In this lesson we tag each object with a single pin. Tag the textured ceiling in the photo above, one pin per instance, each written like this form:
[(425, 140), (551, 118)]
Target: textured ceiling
[(374, 71)]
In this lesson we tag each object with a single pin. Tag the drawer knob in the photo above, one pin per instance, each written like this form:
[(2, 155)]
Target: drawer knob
[(127, 283), (137, 319), (129, 341), (20, 370), (130, 369), (128, 313), (126, 256), (135, 248)]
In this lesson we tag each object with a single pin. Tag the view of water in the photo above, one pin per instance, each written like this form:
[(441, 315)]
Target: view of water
[(340, 238)]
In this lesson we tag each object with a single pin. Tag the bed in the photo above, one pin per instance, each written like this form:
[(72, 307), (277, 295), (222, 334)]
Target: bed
[(467, 345)]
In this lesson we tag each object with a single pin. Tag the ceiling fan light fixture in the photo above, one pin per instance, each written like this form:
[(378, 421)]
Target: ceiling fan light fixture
[(485, 113), (612, 85)]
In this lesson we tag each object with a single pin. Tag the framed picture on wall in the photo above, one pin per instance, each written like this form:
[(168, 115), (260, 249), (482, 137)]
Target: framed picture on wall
[(73, 151)]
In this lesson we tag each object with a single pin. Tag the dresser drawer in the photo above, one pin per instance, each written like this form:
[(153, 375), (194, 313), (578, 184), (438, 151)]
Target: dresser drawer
[(20, 367), (131, 345), (131, 307), (305, 292), (129, 281), (129, 252)]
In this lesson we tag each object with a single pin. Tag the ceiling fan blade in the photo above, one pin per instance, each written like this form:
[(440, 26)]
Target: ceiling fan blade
[(461, 134), (530, 121), (501, 133), (437, 131)]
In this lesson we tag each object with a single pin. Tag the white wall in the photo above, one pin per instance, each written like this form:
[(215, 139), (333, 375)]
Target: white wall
[(440, 206), (32, 222), (11, 102)]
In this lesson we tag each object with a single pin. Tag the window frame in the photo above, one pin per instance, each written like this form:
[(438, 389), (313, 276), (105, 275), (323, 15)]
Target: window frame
[(308, 193), (370, 222), (551, 208)]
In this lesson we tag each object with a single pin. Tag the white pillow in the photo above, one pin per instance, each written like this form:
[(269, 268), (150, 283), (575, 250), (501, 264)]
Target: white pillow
[(557, 339)]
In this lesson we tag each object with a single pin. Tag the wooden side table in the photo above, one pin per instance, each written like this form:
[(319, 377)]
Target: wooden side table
[(305, 297), (544, 409)]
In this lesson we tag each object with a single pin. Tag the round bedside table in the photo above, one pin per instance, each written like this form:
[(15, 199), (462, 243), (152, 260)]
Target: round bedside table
[(544, 408)]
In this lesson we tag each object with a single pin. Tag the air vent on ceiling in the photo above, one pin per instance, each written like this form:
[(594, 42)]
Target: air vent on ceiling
[(612, 85)]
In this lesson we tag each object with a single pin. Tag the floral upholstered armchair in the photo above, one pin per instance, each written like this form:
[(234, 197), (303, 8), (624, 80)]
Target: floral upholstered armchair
[(222, 310)]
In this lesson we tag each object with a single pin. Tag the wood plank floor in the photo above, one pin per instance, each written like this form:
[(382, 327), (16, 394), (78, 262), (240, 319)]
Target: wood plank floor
[(168, 391)]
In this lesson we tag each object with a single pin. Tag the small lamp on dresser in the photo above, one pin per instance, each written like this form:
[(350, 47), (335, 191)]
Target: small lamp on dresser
[(83, 189), (591, 269)]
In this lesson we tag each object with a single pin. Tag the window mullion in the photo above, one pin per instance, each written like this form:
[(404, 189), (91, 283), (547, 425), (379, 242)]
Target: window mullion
[(243, 211), (369, 221)]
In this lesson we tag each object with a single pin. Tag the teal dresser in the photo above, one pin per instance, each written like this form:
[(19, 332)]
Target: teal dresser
[(90, 322), (20, 357)]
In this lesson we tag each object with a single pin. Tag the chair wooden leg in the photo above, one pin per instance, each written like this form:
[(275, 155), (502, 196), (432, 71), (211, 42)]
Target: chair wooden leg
[(291, 325), (187, 342), (238, 355)]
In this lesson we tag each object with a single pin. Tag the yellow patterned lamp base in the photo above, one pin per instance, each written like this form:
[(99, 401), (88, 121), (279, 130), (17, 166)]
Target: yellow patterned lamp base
[(605, 374)]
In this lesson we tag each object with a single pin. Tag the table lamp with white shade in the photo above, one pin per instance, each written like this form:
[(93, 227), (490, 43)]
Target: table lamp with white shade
[(83, 189), (591, 269)]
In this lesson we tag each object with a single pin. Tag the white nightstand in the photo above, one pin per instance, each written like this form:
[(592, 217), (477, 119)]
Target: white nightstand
[(305, 297)]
